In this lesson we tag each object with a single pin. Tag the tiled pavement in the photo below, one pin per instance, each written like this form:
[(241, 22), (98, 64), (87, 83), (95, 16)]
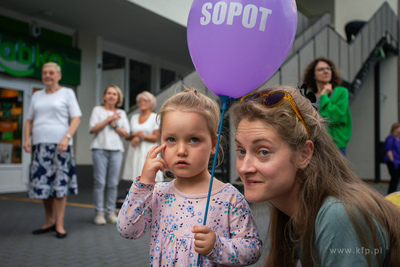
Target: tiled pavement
[(86, 244)]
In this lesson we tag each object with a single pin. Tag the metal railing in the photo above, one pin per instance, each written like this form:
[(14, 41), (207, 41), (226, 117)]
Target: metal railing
[(328, 43)]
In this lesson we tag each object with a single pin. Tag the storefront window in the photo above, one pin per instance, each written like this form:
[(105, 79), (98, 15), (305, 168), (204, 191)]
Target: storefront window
[(11, 105)]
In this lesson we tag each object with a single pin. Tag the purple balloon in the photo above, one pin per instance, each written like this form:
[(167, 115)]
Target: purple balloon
[(238, 45)]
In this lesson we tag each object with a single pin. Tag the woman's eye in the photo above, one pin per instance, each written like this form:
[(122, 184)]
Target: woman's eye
[(240, 151), (194, 139), (264, 153)]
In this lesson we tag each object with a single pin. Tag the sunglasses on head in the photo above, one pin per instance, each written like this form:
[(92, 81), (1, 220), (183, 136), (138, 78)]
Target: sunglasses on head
[(274, 99)]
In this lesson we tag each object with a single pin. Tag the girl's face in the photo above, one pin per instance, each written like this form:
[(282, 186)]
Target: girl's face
[(50, 76), (322, 72), (111, 96), (266, 165), (189, 144)]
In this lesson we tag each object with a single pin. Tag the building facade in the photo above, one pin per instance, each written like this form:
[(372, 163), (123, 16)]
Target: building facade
[(141, 45)]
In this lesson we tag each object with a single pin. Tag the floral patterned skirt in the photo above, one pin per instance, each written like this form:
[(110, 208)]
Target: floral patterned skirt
[(52, 174)]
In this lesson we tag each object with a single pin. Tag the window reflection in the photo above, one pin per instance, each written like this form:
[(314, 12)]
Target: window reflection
[(11, 124)]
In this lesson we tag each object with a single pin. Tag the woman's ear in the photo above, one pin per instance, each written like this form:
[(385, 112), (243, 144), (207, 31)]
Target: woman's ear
[(214, 144), (306, 154)]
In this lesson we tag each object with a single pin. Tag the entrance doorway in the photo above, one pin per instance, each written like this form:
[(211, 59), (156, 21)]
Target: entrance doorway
[(15, 97)]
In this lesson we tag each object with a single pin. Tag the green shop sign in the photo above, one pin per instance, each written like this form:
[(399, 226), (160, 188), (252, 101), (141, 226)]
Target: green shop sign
[(24, 56)]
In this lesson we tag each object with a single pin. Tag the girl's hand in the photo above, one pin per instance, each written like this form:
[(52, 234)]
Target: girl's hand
[(153, 164), (204, 239)]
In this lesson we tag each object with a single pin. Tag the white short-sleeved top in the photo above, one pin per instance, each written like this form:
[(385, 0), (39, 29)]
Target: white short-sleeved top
[(51, 115), (108, 138)]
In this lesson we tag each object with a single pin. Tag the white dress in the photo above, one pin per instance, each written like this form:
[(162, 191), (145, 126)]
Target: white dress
[(136, 156)]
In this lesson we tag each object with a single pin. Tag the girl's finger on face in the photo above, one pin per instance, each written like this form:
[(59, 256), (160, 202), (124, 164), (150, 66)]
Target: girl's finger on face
[(160, 148), (153, 152)]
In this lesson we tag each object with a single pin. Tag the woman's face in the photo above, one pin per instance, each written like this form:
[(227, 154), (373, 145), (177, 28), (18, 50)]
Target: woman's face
[(144, 104), (266, 165), (322, 72), (50, 76), (111, 96)]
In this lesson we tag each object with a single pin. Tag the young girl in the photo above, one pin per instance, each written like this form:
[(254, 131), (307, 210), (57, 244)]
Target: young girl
[(174, 211), (321, 213)]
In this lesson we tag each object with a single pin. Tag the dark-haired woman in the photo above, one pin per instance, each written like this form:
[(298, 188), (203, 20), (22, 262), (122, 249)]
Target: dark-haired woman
[(322, 77)]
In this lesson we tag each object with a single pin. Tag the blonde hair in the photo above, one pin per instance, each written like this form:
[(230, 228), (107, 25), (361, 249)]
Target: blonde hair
[(192, 100), (328, 174), (119, 92), (148, 97), (52, 64)]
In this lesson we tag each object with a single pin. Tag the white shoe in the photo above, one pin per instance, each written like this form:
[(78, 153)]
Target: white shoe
[(112, 218), (99, 219)]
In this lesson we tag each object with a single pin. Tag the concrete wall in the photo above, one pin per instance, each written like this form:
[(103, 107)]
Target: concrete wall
[(346, 11), (388, 101), (86, 93), (175, 10), (361, 151)]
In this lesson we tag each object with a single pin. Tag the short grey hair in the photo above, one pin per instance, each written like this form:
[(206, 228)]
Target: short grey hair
[(53, 64), (147, 96)]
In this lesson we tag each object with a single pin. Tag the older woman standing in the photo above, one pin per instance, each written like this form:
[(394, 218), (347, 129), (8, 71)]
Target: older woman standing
[(52, 120), (143, 136), (109, 124)]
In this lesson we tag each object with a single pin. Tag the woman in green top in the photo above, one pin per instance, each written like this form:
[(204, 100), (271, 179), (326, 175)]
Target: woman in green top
[(323, 79)]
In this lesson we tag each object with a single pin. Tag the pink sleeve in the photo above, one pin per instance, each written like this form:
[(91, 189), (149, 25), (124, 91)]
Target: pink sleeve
[(134, 218), (243, 246)]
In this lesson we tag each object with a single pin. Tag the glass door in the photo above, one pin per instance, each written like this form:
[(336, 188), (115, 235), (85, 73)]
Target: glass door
[(15, 95), (11, 125)]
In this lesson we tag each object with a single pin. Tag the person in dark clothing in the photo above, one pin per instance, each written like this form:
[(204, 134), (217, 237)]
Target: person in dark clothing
[(392, 156), (352, 28)]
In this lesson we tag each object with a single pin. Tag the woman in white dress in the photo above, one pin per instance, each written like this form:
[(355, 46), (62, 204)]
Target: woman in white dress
[(143, 136)]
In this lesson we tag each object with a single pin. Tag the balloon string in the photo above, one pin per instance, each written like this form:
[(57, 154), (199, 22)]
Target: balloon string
[(224, 106)]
